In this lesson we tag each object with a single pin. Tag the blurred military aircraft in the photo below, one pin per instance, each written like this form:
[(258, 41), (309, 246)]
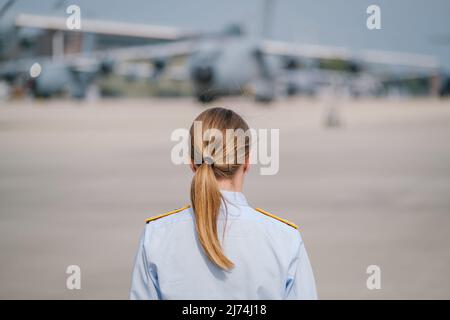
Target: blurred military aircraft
[(235, 64), (217, 64), (69, 59)]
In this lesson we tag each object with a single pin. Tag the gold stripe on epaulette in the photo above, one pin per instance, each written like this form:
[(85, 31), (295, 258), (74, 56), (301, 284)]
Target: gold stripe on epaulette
[(166, 214), (277, 218)]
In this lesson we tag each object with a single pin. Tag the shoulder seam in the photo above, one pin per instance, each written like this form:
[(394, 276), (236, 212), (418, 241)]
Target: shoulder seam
[(166, 214), (291, 224)]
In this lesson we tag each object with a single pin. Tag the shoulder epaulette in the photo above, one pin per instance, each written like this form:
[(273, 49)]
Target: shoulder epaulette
[(166, 214), (293, 225)]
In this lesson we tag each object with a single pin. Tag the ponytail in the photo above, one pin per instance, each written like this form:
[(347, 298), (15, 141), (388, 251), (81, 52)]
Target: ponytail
[(206, 199)]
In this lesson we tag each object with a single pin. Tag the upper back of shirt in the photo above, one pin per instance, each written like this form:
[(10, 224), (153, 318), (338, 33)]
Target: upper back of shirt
[(264, 251)]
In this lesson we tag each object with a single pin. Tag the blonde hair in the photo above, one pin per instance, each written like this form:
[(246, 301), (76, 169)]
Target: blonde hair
[(205, 193)]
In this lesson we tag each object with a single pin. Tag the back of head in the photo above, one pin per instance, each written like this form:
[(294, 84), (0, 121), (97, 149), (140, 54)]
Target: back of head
[(219, 147)]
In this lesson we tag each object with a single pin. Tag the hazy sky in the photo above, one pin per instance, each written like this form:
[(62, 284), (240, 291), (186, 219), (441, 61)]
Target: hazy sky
[(421, 26)]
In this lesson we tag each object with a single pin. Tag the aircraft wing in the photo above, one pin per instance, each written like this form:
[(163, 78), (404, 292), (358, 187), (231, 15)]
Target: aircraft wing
[(359, 70), (287, 49), (147, 52), (366, 57), (95, 60)]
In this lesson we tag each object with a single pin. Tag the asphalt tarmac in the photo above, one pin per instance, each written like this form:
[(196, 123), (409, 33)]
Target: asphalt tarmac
[(78, 179)]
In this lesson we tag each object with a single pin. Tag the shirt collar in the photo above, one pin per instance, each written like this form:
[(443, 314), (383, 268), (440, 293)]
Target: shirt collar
[(237, 198)]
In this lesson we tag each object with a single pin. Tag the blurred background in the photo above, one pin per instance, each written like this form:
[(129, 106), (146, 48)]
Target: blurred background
[(87, 110)]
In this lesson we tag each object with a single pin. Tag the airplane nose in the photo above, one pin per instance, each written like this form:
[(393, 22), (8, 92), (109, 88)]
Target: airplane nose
[(203, 74)]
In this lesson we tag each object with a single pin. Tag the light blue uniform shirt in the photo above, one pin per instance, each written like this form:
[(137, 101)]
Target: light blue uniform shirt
[(269, 256)]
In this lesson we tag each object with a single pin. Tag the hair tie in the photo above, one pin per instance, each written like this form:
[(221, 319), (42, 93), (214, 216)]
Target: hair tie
[(208, 160)]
